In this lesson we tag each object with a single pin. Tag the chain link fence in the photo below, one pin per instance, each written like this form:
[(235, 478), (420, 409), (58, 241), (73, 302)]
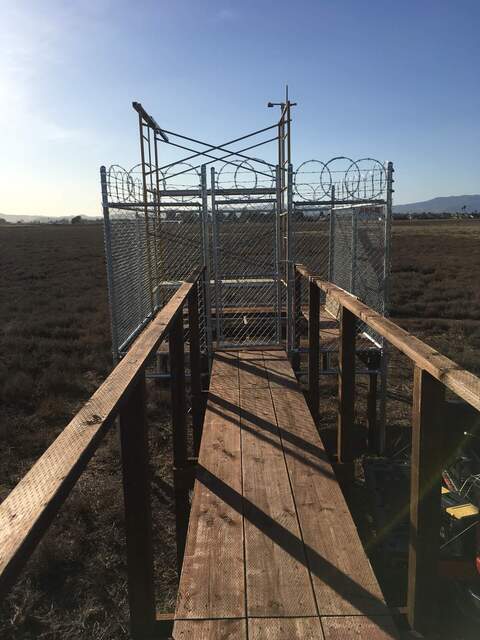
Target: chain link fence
[(245, 277), (148, 254), (247, 230), (358, 255)]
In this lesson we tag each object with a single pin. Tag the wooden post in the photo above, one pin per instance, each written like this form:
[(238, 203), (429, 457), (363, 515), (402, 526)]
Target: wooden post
[(325, 361), (372, 413), (346, 386), (297, 313), (373, 363), (179, 431), (313, 347), (195, 368), (138, 517), (425, 498)]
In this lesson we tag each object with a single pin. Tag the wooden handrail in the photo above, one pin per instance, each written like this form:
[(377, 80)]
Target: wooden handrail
[(462, 382), (433, 373), (28, 510)]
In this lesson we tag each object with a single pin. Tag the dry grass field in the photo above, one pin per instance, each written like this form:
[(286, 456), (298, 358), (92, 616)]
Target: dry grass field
[(55, 349), (435, 286)]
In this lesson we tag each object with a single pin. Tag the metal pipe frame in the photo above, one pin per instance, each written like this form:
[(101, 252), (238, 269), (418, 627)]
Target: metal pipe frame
[(149, 119), (331, 244), (109, 261), (278, 257), (290, 265), (304, 204), (207, 198), (216, 257), (224, 158), (139, 268), (249, 201), (222, 147), (145, 197), (206, 261), (354, 253), (386, 302)]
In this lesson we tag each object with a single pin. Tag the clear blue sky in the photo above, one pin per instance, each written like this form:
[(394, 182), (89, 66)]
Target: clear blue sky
[(396, 80)]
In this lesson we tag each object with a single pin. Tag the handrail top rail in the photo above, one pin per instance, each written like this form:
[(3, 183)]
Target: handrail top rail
[(462, 382), (27, 511)]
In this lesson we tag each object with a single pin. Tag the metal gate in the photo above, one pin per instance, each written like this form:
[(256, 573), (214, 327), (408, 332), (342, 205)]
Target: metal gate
[(245, 263)]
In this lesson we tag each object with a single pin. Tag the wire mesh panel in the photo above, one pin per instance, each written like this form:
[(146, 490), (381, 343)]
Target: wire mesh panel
[(342, 248), (358, 260), (151, 249), (310, 239), (130, 274), (370, 267), (244, 260), (178, 251)]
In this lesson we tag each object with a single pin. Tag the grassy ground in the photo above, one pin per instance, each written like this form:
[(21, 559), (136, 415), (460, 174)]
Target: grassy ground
[(55, 349), (435, 292)]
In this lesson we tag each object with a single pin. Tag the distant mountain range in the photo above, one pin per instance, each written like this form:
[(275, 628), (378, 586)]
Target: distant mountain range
[(448, 204)]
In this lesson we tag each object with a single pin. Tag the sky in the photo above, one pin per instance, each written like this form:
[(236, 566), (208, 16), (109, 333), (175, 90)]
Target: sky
[(394, 80)]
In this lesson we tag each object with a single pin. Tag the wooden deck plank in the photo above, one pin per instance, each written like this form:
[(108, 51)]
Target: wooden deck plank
[(224, 370), (210, 630), (278, 582), (212, 579), (343, 579), (279, 371), (271, 542), (285, 629), (251, 370), (358, 627)]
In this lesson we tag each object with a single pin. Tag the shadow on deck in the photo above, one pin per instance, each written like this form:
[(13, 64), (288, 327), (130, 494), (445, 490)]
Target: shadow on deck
[(271, 545)]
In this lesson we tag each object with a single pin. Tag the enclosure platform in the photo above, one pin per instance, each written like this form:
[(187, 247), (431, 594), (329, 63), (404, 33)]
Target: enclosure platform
[(272, 550)]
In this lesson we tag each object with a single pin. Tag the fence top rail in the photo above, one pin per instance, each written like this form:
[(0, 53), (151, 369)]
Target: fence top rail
[(28, 510), (462, 382)]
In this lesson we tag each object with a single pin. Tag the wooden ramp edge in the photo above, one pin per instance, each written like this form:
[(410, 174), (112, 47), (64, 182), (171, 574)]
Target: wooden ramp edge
[(272, 551)]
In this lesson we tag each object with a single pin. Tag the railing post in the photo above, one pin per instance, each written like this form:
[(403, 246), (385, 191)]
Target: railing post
[(425, 498), (297, 312), (313, 346), (138, 518), (346, 386), (179, 430), (374, 444), (195, 368)]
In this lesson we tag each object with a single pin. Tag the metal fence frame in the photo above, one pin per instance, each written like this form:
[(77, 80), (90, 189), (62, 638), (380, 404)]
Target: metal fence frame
[(303, 203)]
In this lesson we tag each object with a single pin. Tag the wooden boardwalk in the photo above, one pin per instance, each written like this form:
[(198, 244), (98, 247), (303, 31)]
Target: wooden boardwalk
[(272, 551)]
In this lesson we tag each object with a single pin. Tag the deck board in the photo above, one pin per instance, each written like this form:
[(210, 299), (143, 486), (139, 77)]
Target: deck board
[(278, 582), (285, 629), (354, 627), (210, 630), (212, 580), (343, 579), (272, 550), (251, 370), (225, 371)]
